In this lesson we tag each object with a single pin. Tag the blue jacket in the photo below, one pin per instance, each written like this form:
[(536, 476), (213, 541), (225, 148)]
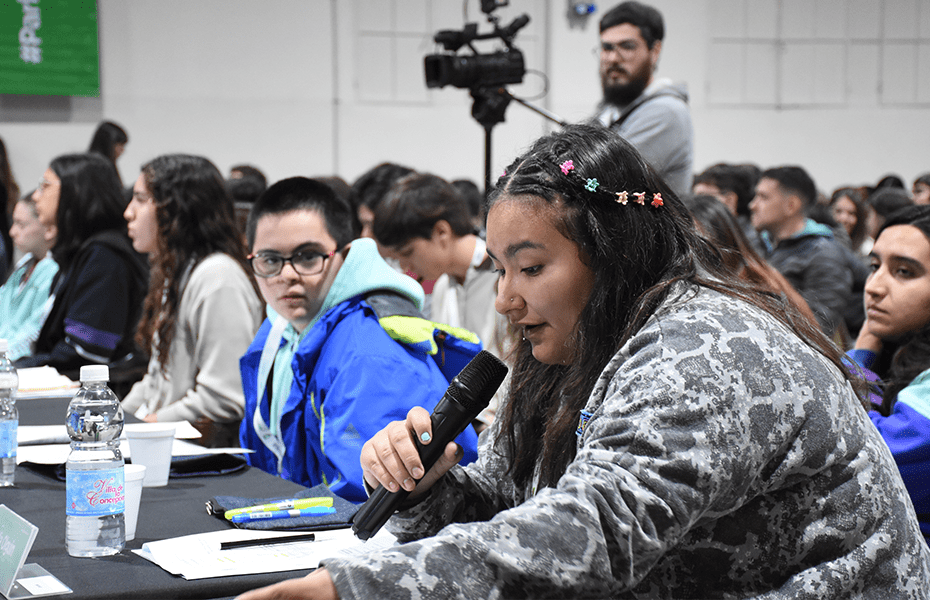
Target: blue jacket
[(22, 305), (906, 431), (350, 379)]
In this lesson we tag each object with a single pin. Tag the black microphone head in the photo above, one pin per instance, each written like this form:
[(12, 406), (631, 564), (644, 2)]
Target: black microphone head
[(474, 386)]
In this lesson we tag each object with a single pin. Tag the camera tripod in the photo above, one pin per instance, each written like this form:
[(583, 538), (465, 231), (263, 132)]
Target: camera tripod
[(490, 103)]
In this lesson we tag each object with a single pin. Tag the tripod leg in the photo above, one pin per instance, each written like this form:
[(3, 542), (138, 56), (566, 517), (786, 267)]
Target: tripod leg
[(487, 159)]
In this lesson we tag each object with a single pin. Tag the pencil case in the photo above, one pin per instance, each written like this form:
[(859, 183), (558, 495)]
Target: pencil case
[(342, 518)]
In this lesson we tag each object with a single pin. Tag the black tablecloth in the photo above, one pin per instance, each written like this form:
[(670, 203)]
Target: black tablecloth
[(175, 510)]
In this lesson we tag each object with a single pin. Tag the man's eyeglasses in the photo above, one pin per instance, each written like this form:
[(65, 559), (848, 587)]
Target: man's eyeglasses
[(305, 262), (624, 48)]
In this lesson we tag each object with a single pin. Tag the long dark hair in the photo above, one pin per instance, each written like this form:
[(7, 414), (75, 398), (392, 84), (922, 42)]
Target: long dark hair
[(636, 253), (105, 139), (718, 225), (7, 181), (195, 219), (9, 194), (912, 356), (91, 201), (861, 230)]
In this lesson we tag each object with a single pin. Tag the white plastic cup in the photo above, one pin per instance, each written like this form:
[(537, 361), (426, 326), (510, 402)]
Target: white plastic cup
[(150, 445), (135, 473)]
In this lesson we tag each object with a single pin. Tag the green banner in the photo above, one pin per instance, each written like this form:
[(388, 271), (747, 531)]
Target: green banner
[(49, 47)]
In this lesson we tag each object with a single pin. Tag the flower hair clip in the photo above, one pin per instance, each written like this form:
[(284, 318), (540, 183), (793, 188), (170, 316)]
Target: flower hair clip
[(593, 186)]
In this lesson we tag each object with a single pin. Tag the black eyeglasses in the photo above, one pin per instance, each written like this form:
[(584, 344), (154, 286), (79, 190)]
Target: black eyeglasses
[(624, 48), (305, 262)]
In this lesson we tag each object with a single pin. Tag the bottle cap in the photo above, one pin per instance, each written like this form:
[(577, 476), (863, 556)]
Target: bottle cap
[(4, 346), (95, 373)]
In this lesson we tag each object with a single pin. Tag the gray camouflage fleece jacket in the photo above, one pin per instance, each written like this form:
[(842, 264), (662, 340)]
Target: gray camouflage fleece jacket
[(724, 459)]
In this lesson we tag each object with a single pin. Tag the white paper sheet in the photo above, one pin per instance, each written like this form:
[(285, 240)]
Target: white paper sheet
[(55, 454), (199, 556), (29, 435)]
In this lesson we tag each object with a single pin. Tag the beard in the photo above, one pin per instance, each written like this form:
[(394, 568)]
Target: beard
[(622, 94)]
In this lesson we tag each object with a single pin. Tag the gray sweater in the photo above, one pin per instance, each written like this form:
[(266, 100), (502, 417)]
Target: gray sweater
[(218, 316), (658, 125), (723, 458)]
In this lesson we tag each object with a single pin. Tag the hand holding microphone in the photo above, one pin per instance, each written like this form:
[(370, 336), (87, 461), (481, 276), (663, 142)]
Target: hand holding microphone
[(391, 455)]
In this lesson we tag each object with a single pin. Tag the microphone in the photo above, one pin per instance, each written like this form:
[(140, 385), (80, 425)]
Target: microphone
[(468, 394)]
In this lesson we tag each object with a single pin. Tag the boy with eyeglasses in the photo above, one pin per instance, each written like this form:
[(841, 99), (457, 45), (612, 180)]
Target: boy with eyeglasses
[(343, 351)]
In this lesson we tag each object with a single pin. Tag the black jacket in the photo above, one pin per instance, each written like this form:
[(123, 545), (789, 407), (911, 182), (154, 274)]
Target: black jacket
[(815, 264), (97, 305)]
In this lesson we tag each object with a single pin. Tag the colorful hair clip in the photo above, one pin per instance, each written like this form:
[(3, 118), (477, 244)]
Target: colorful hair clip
[(594, 186)]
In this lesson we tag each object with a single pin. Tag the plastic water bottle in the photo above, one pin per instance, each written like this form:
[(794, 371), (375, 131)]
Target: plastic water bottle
[(94, 525), (9, 417)]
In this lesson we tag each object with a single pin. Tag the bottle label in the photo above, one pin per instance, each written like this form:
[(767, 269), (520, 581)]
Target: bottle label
[(95, 493), (8, 438)]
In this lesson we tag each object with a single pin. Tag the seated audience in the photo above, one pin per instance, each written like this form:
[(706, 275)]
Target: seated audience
[(9, 194), (717, 225), (852, 212), (852, 311), (339, 185), (733, 185), (325, 371), (921, 189), (425, 224), (802, 250), (202, 309), (244, 171), (244, 190), (895, 341), (890, 181), (109, 141), (101, 280), (245, 184), (884, 203), (24, 296), (669, 431), (369, 190), (474, 199)]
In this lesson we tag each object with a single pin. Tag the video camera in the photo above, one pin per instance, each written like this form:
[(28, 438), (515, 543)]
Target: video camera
[(472, 71)]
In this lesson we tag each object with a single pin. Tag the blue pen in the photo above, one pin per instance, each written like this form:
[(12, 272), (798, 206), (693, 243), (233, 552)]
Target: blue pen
[(313, 511)]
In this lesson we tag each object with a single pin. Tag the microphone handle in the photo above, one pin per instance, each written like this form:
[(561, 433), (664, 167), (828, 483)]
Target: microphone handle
[(448, 419)]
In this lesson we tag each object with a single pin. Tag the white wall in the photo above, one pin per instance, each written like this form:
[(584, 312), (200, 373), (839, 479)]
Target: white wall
[(851, 145), (236, 81), (288, 86)]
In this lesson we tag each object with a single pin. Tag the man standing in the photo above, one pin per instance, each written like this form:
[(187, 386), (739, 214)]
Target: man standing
[(803, 250), (650, 113)]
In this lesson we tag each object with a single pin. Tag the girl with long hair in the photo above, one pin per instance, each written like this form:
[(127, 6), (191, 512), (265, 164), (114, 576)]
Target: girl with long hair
[(202, 309), (9, 194), (851, 211), (101, 280), (718, 225), (670, 431), (109, 140), (894, 345)]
